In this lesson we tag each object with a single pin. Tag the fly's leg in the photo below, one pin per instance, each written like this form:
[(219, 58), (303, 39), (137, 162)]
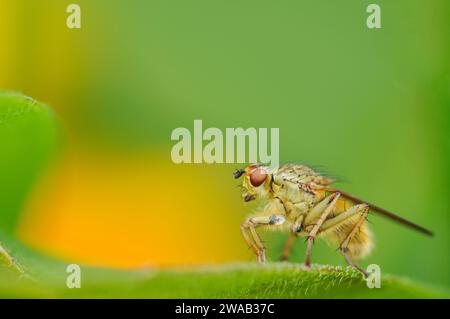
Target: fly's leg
[(331, 223), (257, 245), (344, 245), (329, 203), (255, 242), (352, 263), (288, 247), (296, 228), (362, 210), (249, 242)]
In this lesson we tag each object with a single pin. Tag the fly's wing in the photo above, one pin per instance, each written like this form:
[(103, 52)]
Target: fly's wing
[(382, 212), (301, 174)]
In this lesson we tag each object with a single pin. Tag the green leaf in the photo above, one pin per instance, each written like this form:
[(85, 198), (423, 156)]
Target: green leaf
[(28, 137), (274, 280)]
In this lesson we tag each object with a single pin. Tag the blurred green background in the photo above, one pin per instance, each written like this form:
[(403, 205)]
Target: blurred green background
[(371, 106)]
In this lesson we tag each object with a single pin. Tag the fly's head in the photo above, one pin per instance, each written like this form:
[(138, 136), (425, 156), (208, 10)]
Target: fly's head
[(256, 181)]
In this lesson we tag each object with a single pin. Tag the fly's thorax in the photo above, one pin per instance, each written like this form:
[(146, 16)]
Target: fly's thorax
[(291, 192), (296, 201)]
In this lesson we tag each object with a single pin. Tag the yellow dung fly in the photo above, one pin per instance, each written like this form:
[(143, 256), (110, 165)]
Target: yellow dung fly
[(301, 202)]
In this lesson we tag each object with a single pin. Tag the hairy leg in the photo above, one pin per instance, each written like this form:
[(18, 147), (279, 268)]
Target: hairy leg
[(338, 220), (296, 229), (344, 245), (256, 244), (352, 263), (288, 247), (332, 223), (247, 239), (329, 203)]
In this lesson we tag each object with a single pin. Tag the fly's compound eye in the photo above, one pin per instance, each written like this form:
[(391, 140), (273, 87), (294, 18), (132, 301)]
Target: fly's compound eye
[(257, 177)]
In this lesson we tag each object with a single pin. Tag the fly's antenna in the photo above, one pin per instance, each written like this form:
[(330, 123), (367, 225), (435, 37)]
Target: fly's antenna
[(238, 173)]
